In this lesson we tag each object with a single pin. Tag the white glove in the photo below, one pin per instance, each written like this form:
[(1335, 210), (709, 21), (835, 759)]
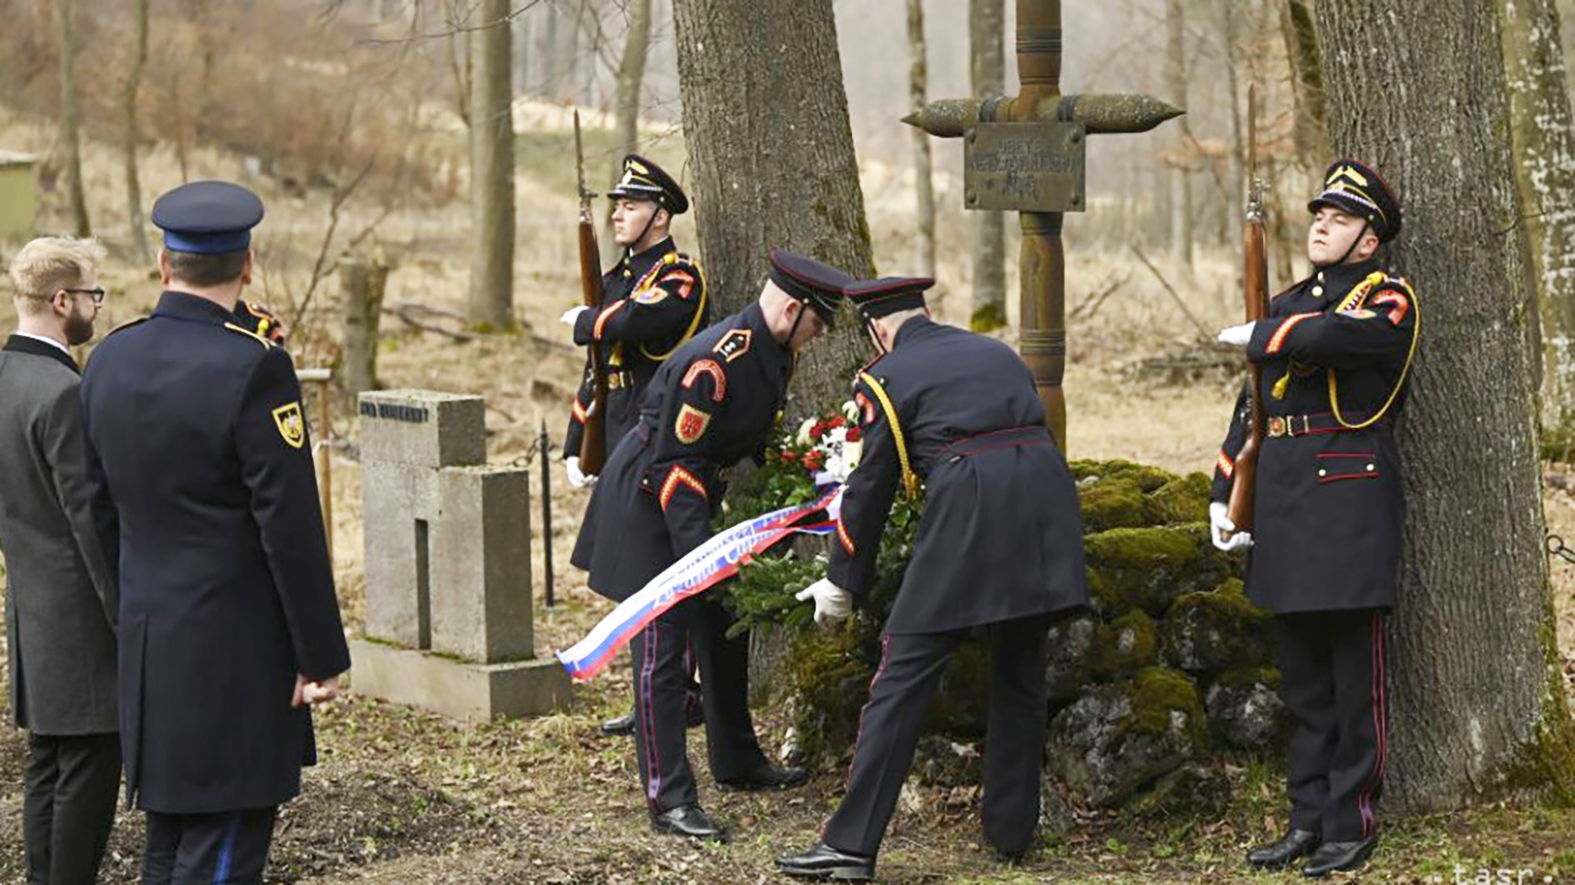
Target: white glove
[(1223, 531), (1237, 335), (832, 603), (571, 466), (572, 315)]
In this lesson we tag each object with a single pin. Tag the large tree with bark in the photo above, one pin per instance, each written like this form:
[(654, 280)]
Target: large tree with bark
[(1478, 704), (771, 161)]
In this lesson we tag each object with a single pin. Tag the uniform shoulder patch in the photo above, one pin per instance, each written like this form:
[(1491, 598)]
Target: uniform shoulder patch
[(292, 426), (250, 334), (712, 368), (734, 344), (691, 424)]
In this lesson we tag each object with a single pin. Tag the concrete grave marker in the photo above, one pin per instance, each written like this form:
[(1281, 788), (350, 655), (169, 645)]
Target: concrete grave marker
[(448, 583)]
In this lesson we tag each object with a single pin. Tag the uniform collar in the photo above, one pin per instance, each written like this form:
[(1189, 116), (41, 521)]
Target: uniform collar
[(23, 342), (637, 265), (1340, 279), (914, 327), (185, 306), (775, 354)]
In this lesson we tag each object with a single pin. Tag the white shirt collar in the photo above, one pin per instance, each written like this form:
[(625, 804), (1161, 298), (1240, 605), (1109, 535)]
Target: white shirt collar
[(63, 349)]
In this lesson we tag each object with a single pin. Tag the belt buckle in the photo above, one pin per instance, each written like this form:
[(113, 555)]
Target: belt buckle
[(1277, 427), (1290, 425)]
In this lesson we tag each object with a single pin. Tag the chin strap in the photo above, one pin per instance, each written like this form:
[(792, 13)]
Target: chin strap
[(1366, 226)]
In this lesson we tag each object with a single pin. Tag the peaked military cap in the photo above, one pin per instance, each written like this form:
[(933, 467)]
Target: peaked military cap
[(208, 217), (1356, 188), (644, 180), (888, 295), (818, 285)]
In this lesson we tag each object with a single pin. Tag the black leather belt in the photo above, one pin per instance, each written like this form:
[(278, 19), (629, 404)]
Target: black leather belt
[(1307, 425), (1009, 438)]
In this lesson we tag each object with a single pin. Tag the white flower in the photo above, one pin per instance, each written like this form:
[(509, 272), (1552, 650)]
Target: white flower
[(803, 432), (851, 410)]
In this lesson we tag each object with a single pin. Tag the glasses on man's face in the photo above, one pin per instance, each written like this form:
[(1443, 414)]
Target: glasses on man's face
[(97, 293)]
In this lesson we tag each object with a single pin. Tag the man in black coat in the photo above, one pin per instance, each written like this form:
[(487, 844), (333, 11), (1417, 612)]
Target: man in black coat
[(60, 582), (714, 402), (229, 627), (1334, 350), (653, 300), (952, 418)]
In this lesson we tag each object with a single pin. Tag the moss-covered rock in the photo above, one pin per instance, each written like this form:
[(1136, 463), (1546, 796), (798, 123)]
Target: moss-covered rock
[(1068, 648), (1245, 711), (1147, 479), (1150, 567), (1116, 739), (1112, 503), (1124, 646), (829, 671), (1183, 499), (1190, 791), (1211, 632)]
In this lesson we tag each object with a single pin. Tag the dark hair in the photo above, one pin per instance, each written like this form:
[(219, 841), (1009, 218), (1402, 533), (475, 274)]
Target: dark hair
[(206, 270)]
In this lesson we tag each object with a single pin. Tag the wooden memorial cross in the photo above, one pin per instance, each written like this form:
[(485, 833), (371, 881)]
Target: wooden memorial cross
[(1025, 153)]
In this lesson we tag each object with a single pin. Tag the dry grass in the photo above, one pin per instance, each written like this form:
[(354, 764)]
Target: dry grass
[(407, 797)]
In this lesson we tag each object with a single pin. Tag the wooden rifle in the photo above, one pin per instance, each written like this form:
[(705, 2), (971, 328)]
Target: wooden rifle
[(1255, 291), (593, 443)]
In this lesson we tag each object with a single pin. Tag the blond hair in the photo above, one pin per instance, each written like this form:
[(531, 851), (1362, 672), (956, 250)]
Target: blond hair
[(47, 265)]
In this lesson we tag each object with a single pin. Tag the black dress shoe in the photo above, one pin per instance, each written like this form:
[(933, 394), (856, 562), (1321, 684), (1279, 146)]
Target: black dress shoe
[(768, 777), (1280, 853), (619, 725), (1332, 856), (824, 862), (688, 820)]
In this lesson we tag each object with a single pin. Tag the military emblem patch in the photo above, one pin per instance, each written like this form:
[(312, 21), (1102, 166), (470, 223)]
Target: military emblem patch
[(734, 344), (291, 425), (650, 295), (691, 424)]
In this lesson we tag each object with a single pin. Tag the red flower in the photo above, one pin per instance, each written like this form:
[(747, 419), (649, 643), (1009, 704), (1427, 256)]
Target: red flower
[(789, 456), (854, 434), (815, 461), (838, 421)]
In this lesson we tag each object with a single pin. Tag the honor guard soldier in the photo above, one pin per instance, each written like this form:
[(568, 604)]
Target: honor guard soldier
[(1334, 351), (951, 418), (653, 300), (712, 403), (229, 628)]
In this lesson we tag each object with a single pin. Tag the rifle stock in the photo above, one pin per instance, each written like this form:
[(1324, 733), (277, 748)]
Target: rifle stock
[(593, 443), (1255, 292)]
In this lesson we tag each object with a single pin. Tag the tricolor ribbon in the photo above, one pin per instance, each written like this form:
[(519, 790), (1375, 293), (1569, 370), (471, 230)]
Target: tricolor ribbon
[(702, 568)]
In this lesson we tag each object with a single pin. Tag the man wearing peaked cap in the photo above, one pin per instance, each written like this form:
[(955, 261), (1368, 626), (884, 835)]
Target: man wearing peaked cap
[(714, 402), (952, 417), (1335, 350), (653, 300), (229, 627)]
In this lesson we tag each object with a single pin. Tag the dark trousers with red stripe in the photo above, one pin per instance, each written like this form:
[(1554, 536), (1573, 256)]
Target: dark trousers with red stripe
[(1332, 681), (900, 695), (661, 678)]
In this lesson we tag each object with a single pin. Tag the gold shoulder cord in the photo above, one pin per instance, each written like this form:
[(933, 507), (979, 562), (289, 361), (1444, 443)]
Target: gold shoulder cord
[(910, 480), (694, 324), (1357, 295)]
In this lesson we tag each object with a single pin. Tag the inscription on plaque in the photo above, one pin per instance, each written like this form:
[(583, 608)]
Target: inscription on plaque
[(1025, 167), (392, 412)]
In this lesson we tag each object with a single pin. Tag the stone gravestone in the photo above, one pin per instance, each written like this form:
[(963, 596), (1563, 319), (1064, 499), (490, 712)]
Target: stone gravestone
[(448, 588)]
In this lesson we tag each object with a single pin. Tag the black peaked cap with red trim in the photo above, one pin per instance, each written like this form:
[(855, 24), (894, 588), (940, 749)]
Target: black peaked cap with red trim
[(888, 295), (818, 285), (644, 180), (1356, 188)]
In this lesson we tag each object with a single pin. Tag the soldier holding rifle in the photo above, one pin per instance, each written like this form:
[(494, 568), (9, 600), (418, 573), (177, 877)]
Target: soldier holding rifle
[(1330, 360), (635, 315)]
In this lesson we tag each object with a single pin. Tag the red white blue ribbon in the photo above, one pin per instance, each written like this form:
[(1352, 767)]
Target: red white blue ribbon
[(704, 567)]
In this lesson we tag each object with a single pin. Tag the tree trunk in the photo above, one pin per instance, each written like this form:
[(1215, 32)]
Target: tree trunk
[(363, 280), (1478, 702), (1544, 151), (69, 113), (1307, 89), (491, 170), (1181, 217), (631, 77), (987, 67), (139, 56), (520, 47), (771, 152), (923, 185)]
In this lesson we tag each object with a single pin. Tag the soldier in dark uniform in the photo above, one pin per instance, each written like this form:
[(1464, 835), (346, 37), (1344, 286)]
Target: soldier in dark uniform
[(1334, 351), (653, 300), (714, 402), (229, 628), (953, 417)]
